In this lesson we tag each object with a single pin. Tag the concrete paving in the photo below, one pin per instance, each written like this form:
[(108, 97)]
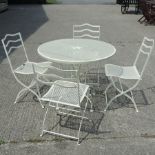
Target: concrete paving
[(119, 131)]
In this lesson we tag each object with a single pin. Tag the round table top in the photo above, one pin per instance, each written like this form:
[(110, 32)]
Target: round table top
[(76, 51)]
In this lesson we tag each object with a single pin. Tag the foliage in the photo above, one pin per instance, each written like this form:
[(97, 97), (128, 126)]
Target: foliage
[(2, 142)]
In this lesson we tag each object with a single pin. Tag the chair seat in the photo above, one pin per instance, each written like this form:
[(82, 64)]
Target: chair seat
[(66, 93), (124, 72), (27, 68)]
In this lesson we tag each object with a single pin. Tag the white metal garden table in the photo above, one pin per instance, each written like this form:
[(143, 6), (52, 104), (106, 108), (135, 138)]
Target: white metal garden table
[(76, 51)]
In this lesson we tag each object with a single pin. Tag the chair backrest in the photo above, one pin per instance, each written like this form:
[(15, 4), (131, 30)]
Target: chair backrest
[(11, 42), (53, 74), (58, 77), (86, 31), (145, 50)]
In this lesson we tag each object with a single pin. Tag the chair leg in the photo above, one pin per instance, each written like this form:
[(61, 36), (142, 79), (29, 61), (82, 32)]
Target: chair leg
[(28, 88), (85, 77), (20, 93), (130, 97), (98, 75), (23, 91), (41, 103), (140, 19), (98, 78), (125, 94), (111, 101), (91, 108), (105, 92), (83, 115), (43, 123), (37, 87), (134, 103)]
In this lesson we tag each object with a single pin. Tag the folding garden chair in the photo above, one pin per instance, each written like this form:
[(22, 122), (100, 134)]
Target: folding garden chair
[(148, 10), (14, 41), (87, 31), (134, 72), (66, 95)]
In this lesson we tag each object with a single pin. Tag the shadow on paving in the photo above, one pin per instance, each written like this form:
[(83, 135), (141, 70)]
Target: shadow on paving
[(22, 18), (93, 127), (98, 97), (120, 102)]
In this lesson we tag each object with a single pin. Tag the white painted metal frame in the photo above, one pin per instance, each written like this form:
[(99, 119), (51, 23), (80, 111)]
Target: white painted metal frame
[(88, 31), (76, 51), (65, 94), (14, 41), (128, 73)]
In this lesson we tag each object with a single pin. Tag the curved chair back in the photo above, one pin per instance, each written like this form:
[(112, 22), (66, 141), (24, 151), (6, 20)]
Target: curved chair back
[(14, 41), (86, 31), (11, 42), (145, 50), (53, 74)]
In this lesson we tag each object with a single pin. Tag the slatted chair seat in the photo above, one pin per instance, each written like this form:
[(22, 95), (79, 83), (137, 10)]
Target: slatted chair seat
[(65, 92), (26, 68), (124, 72)]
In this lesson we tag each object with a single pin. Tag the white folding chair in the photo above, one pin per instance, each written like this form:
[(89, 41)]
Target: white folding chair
[(134, 72), (87, 31), (65, 95), (12, 42)]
